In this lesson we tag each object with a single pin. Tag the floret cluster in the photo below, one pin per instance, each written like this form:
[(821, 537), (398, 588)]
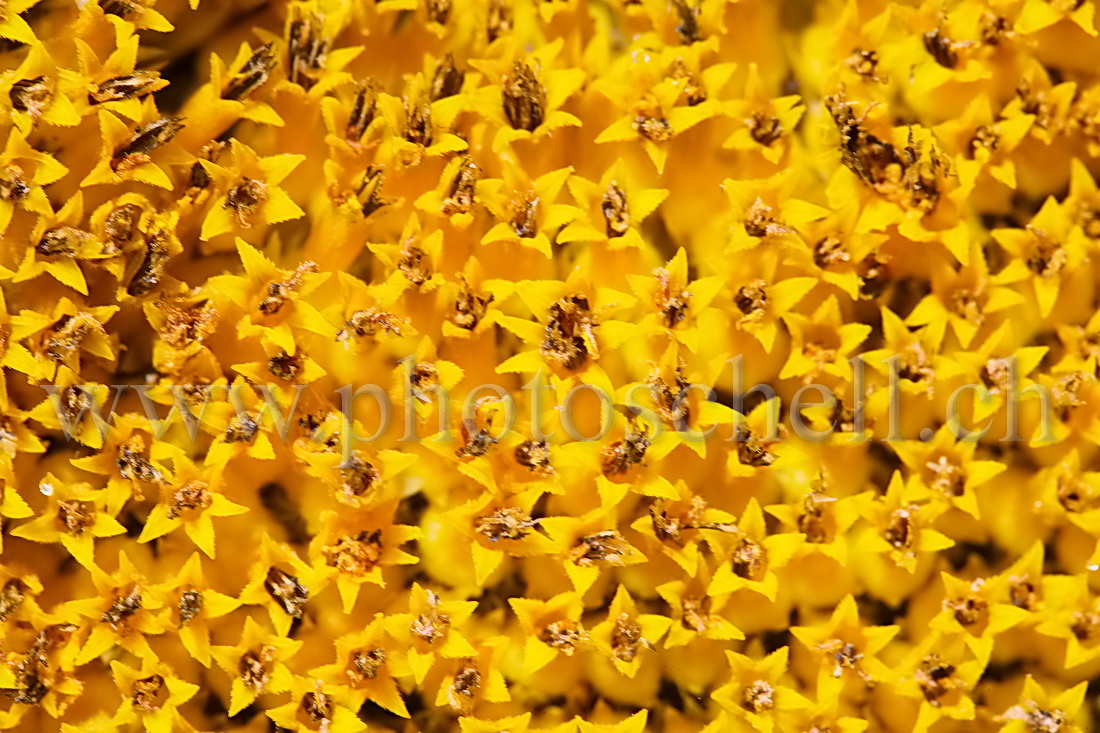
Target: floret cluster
[(538, 251)]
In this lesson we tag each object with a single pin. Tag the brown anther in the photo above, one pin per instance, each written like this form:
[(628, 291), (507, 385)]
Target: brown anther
[(1047, 257), (62, 241), (244, 198), (285, 366), (864, 63), (255, 666), (122, 608), (812, 522), (192, 496), (476, 442), (149, 694), (130, 86), (914, 365), (901, 529), (306, 49), (448, 79), (970, 609), (506, 523), (467, 681), (524, 98), (623, 455), (524, 212), (1023, 592), (946, 476), (616, 212), (764, 128), (995, 373), (13, 185), (252, 75), (656, 129), (748, 559), (432, 624), (602, 547), (936, 679), (692, 92), (752, 299), (278, 293), (316, 707), (1085, 625), (418, 120), (134, 467), (287, 591), (830, 252), (363, 109), (671, 396), (966, 304), (355, 556), (32, 96), (688, 28), (463, 192), (942, 50), (414, 263), (671, 300), (626, 638), (146, 138), (751, 450), (499, 21), (846, 655), (241, 428), (122, 224), (695, 613), (12, 596), (365, 664), (985, 137), (534, 455), (470, 306), (570, 333), (760, 221), (370, 322), (357, 476), (758, 697), (565, 635), (76, 516), (190, 605)]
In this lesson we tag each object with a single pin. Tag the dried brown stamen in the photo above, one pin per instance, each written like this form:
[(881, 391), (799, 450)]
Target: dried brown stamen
[(252, 75), (145, 140), (192, 496), (76, 516), (565, 635), (758, 697), (123, 607), (244, 199), (607, 547), (432, 624), (287, 591), (190, 605), (448, 79), (462, 195), (534, 455), (470, 306), (254, 667), (130, 86), (32, 95), (570, 332), (506, 523), (358, 476), (616, 212), (357, 555), (524, 98), (626, 638), (149, 694)]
